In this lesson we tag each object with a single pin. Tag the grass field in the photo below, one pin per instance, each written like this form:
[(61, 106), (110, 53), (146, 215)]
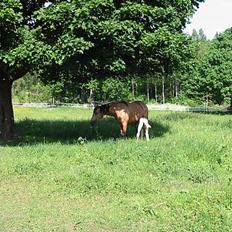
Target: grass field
[(60, 177)]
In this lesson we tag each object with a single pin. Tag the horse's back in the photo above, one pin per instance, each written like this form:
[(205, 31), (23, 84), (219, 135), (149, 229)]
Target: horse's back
[(137, 110)]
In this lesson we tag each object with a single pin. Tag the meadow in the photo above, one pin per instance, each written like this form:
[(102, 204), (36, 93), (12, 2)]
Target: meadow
[(58, 176)]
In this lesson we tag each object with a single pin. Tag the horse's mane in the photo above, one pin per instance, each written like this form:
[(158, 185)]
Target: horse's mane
[(105, 107), (123, 102), (115, 102)]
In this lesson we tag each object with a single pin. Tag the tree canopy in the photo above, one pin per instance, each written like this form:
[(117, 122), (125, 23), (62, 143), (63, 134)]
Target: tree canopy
[(98, 37), (209, 74)]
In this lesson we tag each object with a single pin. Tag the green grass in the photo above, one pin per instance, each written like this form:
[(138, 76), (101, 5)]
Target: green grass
[(58, 176)]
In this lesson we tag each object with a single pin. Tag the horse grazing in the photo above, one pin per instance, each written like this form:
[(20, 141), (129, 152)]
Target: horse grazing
[(124, 112)]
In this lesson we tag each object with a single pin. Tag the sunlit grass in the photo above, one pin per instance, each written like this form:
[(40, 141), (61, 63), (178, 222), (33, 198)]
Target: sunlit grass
[(58, 176)]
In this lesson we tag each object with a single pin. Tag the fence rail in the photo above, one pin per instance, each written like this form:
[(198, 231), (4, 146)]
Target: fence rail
[(158, 107)]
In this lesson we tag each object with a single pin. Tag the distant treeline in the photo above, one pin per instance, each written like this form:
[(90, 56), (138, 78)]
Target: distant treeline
[(205, 78), (31, 89)]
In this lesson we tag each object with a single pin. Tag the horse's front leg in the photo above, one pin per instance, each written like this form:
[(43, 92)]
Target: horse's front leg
[(123, 128), (136, 125)]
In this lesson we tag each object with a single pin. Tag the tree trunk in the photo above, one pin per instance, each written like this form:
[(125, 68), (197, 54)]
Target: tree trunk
[(176, 88), (6, 110), (163, 89), (6, 107), (163, 84), (156, 94), (133, 87), (148, 91), (231, 102)]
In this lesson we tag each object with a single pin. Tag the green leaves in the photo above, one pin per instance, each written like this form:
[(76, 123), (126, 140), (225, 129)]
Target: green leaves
[(164, 48), (10, 19), (68, 46), (10, 12), (115, 89), (210, 76), (29, 51), (99, 38)]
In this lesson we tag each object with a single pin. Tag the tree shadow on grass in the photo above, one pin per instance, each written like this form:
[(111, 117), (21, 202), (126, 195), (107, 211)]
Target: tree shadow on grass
[(70, 132)]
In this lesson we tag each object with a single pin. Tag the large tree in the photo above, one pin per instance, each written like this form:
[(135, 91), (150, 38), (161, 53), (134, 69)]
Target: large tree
[(79, 39)]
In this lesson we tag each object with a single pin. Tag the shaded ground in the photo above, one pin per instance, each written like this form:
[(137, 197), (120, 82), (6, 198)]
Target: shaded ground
[(35, 131)]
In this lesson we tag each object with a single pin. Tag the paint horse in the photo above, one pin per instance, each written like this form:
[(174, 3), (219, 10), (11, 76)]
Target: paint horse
[(124, 112)]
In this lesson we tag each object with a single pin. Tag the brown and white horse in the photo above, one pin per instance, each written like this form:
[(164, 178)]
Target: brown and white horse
[(124, 112)]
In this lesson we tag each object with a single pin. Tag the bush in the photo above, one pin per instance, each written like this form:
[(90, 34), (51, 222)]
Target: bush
[(116, 89), (183, 100), (31, 89)]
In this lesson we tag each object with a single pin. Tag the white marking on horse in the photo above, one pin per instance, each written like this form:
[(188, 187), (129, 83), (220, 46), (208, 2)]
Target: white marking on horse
[(143, 125)]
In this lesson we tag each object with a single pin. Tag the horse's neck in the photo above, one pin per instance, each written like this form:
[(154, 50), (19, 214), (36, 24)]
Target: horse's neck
[(111, 111)]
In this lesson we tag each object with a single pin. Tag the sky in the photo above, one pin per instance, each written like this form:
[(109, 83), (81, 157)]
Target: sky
[(212, 16)]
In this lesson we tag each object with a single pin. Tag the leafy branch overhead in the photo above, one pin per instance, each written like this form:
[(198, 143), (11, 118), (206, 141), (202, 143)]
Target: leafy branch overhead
[(93, 38)]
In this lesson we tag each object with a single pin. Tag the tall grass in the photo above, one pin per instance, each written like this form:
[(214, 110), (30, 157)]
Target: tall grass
[(59, 176)]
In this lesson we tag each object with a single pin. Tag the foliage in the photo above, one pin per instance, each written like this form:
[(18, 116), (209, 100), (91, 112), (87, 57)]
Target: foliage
[(97, 38), (199, 36), (30, 89), (10, 19), (208, 77), (115, 89), (181, 99)]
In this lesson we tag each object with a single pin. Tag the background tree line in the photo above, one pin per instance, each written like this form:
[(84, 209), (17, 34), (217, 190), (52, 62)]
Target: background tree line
[(208, 75), (203, 78), (149, 89)]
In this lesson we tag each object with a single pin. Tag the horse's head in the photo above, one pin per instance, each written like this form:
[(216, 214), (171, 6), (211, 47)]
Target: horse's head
[(99, 112)]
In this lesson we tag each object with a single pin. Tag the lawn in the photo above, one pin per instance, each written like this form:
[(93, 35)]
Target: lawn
[(58, 176)]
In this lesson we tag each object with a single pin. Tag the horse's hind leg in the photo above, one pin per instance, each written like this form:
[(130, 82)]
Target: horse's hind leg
[(143, 131), (146, 133), (139, 128)]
